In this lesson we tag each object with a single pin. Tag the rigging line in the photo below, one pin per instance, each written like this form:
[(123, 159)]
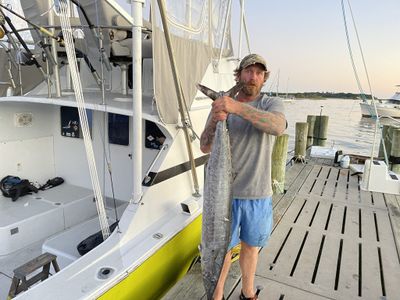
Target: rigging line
[(241, 24), (107, 159), (67, 33), (351, 53), (377, 124), (372, 102), (246, 32), (361, 51), (92, 28), (227, 17)]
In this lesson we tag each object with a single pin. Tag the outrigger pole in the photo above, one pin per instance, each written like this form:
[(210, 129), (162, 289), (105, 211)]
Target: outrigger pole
[(181, 100)]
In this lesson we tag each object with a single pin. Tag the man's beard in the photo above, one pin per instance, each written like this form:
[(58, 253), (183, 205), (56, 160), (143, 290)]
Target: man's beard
[(250, 89)]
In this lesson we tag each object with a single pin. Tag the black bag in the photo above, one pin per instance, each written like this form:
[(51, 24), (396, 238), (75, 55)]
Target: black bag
[(14, 187), (51, 183), (93, 241)]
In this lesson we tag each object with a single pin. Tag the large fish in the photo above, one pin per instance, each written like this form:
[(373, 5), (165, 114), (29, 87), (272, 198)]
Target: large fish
[(217, 206)]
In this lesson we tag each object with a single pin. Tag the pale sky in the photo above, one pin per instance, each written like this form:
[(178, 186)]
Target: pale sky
[(306, 41)]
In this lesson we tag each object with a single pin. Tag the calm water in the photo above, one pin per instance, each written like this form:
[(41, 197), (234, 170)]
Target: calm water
[(347, 130)]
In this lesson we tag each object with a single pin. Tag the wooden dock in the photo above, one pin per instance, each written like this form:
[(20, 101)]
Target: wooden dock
[(331, 240)]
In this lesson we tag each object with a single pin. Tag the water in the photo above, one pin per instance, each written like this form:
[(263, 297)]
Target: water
[(347, 130)]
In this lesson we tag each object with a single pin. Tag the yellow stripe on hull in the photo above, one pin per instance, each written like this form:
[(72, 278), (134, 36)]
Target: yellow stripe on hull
[(152, 279)]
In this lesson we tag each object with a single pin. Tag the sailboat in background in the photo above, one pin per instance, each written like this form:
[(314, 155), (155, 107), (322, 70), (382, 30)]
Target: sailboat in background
[(142, 130), (275, 84)]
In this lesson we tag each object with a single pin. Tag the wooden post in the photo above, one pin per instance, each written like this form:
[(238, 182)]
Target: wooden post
[(320, 130), (300, 141), (395, 151), (384, 140), (311, 122), (279, 156)]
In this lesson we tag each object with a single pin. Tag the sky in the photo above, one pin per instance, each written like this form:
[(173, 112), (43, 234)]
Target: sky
[(305, 41)]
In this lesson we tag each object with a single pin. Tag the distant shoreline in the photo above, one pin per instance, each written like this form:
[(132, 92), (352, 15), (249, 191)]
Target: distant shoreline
[(321, 96)]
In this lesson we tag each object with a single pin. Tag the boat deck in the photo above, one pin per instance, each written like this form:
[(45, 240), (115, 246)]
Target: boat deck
[(331, 240), (54, 220)]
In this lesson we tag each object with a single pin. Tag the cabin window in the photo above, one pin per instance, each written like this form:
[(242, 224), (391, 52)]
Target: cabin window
[(118, 129), (70, 123), (154, 136)]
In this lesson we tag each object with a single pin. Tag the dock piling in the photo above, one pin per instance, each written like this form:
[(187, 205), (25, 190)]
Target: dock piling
[(300, 141), (311, 122), (395, 151), (278, 169), (320, 130)]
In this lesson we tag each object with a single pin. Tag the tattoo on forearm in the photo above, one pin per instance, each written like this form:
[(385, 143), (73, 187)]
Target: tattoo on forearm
[(259, 119), (207, 137)]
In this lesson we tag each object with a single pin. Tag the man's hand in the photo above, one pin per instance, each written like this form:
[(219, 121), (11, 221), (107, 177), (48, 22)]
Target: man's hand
[(223, 106)]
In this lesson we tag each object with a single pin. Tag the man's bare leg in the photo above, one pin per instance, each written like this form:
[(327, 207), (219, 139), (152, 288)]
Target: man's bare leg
[(219, 289), (248, 264)]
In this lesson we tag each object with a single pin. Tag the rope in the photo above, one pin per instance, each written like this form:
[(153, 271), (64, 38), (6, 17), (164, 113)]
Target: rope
[(358, 82), (70, 49)]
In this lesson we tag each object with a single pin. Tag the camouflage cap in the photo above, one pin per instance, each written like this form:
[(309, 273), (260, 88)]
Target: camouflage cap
[(252, 59)]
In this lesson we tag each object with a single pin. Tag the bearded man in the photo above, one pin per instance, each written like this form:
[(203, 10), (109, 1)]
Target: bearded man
[(254, 119)]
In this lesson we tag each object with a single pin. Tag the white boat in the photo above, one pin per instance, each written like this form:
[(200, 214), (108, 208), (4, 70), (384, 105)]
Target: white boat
[(150, 167), (387, 108)]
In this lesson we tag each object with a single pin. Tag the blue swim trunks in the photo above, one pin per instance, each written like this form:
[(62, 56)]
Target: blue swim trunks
[(252, 221)]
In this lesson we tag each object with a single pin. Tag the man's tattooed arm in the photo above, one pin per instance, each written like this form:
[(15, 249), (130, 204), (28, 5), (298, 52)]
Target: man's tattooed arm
[(207, 137), (270, 122)]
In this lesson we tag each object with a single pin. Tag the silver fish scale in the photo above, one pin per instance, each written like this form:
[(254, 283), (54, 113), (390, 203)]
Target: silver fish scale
[(217, 209)]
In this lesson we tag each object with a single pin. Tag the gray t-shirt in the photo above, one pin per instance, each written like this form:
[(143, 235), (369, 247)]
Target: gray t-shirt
[(251, 152)]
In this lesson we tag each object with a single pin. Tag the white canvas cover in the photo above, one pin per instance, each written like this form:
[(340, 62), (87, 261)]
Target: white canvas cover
[(196, 28)]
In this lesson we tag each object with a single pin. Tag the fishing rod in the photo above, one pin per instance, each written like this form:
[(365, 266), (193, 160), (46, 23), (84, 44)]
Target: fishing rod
[(58, 38), (4, 31), (11, 63), (86, 59), (40, 28), (92, 28), (31, 56)]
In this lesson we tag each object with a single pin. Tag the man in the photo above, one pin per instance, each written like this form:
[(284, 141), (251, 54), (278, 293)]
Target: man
[(253, 121)]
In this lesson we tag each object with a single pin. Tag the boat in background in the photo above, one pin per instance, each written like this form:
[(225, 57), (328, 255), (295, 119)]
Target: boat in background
[(385, 108)]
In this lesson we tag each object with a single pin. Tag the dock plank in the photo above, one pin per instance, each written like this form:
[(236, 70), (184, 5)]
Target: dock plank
[(330, 240), (341, 188), (274, 290), (393, 205), (330, 186)]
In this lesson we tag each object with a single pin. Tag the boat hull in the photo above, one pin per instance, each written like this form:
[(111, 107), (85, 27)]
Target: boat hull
[(153, 278), (386, 110)]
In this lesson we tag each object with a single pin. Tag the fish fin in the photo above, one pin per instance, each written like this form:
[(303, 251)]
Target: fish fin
[(235, 89), (207, 91)]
